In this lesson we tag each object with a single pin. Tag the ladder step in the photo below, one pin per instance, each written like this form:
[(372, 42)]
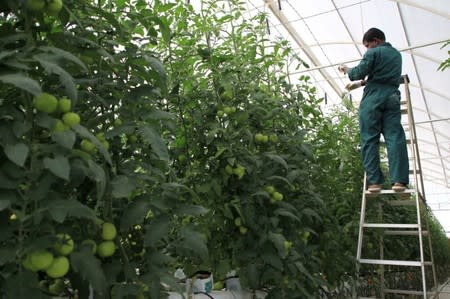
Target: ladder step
[(407, 191), (403, 102), (404, 111), (405, 232), (394, 262), (402, 202), (407, 292), (411, 171), (391, 225)]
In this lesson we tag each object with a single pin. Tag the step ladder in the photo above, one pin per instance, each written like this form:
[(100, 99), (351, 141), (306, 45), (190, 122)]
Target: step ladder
[(414, 197)]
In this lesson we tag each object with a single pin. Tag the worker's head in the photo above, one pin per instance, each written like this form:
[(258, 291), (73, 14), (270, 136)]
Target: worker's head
[(373, 38)]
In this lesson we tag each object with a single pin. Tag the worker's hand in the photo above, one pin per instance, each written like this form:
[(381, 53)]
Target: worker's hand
[(354, 85), (343, 68)]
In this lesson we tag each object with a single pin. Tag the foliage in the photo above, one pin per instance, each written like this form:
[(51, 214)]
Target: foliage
[(50, 183), (446, 63), (194, 143)]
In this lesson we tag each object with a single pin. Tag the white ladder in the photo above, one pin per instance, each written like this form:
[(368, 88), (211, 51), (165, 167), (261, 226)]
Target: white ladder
[(400, 229)]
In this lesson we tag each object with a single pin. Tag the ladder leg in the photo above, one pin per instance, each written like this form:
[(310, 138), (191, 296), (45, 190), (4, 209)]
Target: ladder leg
[(381, 246), (361, 232), (361, 222)]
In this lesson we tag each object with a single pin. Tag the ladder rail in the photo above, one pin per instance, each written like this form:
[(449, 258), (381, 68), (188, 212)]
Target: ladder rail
[(419, 186)]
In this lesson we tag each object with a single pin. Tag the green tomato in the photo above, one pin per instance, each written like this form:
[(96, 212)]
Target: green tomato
[(64, 104), (220, 113), (117, 122), (239, 171), (105, 144), (59, 267), (243, 230), (227, 110), (226, 95), (87, 146), (71, 119), (273, 138), (229, 169), (238, 221), (54, 7), (259, 137), (109, 231), (106, 248), (45, 102), (132, 138), (41, 259), (287, 245), (100, 136), (26, 263), (277, 196), (64, 245), (182, 158), (265, 139), (59, 126), (269, 189)]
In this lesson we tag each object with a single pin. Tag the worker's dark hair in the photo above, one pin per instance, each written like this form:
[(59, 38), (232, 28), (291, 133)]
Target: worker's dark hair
[(373, 33)]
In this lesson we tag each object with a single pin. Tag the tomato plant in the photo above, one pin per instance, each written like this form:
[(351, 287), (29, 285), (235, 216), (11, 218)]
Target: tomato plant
[(140, 137)]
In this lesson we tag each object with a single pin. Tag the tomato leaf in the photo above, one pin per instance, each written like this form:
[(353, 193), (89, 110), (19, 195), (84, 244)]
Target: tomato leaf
[(22, 82), (22, 286), (97, 174), (156, 230), (64, 54), (122, 186), (17, 153), (7, 255), (134, 213), (65, 139), (53, 68), (194, 242), (89, 267), (151, 136), (278, 242), (59, 166), (61, 208)]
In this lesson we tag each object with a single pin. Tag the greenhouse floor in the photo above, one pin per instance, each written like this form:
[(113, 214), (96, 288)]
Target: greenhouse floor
[(445, 290)]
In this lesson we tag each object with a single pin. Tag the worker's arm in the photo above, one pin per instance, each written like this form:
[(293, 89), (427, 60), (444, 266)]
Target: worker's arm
[(360, 71)]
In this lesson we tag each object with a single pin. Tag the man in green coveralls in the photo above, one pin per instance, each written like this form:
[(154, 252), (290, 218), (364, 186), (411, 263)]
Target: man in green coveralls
[(379, 111)]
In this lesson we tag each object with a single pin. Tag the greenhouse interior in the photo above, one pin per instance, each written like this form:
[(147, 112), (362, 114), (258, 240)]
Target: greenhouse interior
[(224, 149)]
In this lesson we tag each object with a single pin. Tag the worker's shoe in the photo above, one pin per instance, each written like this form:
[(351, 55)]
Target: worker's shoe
[(374, 188), (399, 187)]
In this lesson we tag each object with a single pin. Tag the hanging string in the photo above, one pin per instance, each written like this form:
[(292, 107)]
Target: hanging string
[(361, 16)]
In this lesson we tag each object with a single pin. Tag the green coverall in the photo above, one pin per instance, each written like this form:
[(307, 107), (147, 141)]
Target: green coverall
[(379, 113)]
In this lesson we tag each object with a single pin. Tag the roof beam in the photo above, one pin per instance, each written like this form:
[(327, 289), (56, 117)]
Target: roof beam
[(346, 27), (318, 67), (301, 43)]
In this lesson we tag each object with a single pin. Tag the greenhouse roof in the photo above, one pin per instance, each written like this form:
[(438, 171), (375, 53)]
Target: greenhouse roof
[(327, 33)]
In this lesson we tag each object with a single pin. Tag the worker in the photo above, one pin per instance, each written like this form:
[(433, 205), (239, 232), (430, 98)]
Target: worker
[(379, 111)]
